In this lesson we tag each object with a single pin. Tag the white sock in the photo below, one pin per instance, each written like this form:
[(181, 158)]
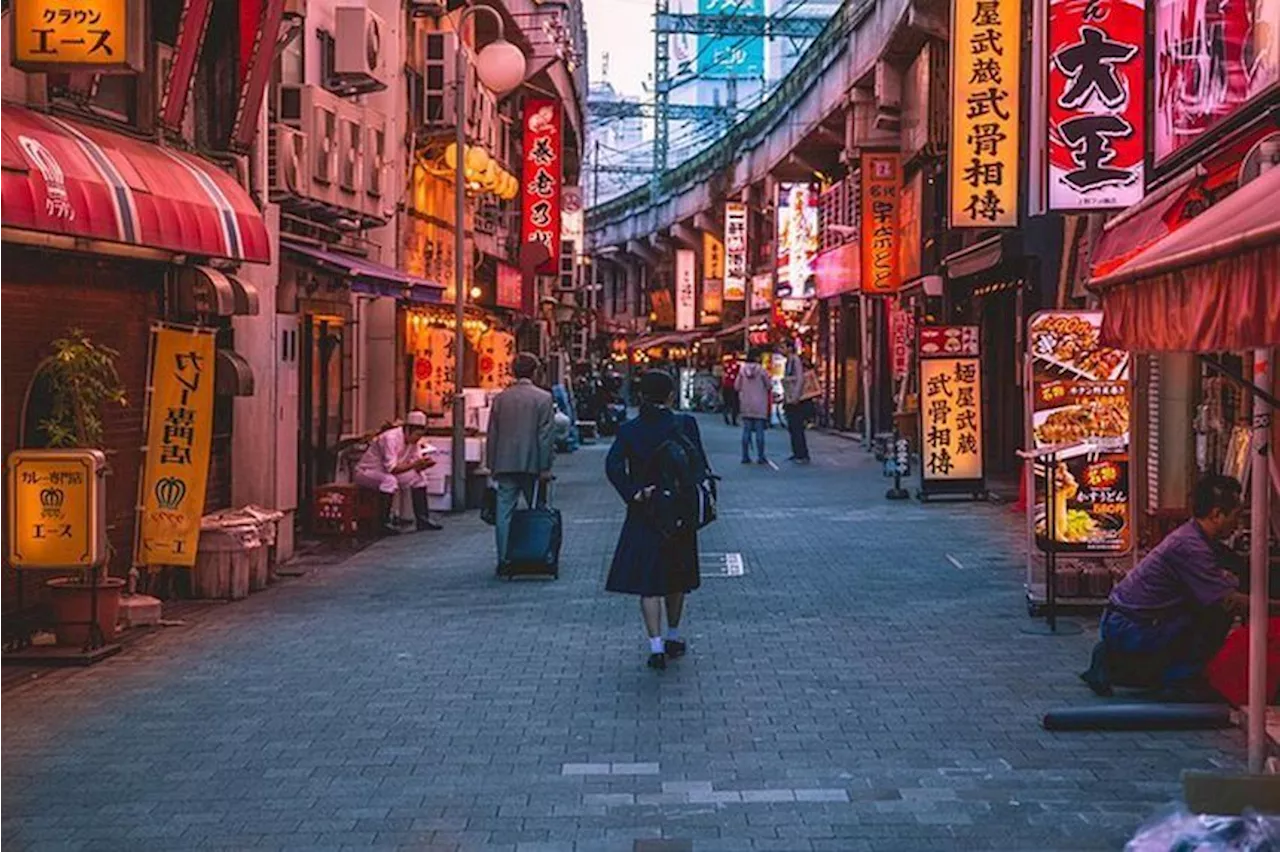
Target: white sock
[(655, 645), (673, 634)]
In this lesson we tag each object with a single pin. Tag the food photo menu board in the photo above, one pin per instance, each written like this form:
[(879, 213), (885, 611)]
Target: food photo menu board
[(1080, 405)]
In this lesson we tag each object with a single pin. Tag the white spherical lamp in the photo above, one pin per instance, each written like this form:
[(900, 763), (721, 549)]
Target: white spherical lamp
[(477, 160), (500, 65)]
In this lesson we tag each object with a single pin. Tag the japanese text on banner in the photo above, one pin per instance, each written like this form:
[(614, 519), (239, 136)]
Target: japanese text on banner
[(983, 161), (881, 188), (541, 180), (1097, 144), (82, 33), (952, 418), (735, 252), (179, 440)]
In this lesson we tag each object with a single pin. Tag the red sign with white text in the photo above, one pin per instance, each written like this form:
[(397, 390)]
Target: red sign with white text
[(540, 201), (1097, 139)]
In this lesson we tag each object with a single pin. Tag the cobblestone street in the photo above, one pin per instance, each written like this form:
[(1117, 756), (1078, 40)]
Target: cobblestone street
[(861, 685)]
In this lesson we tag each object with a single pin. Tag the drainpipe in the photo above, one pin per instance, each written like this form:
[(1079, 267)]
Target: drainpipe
[(1259, 536)]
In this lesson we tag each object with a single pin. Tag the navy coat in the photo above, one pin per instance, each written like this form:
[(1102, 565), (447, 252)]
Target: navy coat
[(644, 563)]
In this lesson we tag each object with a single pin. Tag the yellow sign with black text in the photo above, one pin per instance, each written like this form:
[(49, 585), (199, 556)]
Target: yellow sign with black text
[(80, 35), (983, 162), (712, 256), (179, 440), (56, 508)]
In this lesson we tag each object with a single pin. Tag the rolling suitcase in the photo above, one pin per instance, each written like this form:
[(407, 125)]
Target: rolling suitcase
[(533, 545)]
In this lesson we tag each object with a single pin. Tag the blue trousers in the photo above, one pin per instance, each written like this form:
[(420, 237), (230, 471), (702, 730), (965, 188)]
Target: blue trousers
[(753, 426), (1171, 649)]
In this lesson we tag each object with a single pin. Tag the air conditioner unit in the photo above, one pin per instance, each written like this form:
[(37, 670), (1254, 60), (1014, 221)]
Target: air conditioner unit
[(324, 134), (377, 203), (287, 157), (361, 44), (350, 158)]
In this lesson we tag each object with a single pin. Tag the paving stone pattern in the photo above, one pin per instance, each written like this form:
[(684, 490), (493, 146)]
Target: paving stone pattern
[(852, 690)]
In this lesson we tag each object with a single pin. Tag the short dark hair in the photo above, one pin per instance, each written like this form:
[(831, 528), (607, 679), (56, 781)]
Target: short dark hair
[(526, 365), (656, 386), (1215, 492)]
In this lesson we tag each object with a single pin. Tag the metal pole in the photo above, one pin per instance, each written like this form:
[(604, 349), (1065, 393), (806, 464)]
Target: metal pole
[(1051, 552), (458, 445), (864, 305), (1259, 536)]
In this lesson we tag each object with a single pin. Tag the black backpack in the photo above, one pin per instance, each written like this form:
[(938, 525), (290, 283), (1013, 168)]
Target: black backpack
[(677, 470)]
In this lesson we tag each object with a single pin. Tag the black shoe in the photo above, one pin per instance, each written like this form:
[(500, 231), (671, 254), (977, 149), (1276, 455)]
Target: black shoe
[(428, 524), (746, 461), (391, 528), (675, 648), (657, 661), (762, 461), (1100, 688)]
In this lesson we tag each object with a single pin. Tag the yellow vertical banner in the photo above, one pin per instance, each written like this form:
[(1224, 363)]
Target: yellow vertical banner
[(497, 352), (983, 165), (179, 440), (712, 256)]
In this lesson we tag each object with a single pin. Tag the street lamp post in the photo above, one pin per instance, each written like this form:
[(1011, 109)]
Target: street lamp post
[(500, 66)]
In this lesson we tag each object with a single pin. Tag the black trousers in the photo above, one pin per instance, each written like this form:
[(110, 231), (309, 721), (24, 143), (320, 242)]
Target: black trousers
[(732, 405)]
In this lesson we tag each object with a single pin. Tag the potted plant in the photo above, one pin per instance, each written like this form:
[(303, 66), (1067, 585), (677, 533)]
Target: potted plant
[(76, 383)]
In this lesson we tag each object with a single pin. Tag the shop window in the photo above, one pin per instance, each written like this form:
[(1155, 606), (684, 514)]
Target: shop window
[(328, 48)]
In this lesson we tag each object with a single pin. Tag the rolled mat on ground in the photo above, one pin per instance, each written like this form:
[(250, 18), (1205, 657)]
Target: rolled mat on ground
[(1139, 717)]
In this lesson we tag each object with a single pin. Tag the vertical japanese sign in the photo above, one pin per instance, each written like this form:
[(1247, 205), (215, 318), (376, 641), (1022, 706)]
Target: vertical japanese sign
[(431, 351), (1211, 58), (56, 509), (902, 336), (797, 240), (761, 292), (179, 440), (983, 165), (77, 35), (497, 350), (1096, 76), (951, 405), (541, 180), (712, 256), (1080, 405), (712, 299), (735, 252), (509, 292), (881, 191), (686, 290)]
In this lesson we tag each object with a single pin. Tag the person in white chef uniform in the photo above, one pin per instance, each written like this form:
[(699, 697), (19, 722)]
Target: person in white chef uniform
[(399, 458)]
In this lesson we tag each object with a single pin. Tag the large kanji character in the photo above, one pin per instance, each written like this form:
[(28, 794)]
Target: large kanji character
[(1090, 65), (986, 138), (986, 206), (989, 101), (1089, 137), (979, 173)]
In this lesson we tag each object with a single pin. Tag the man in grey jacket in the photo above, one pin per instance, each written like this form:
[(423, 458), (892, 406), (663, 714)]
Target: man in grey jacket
[(521, 443)]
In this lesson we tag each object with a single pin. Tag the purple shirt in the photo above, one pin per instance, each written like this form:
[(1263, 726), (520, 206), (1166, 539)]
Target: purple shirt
[(1181, 572)]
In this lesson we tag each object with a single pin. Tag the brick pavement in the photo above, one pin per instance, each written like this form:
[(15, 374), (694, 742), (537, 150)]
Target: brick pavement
[(852, 690)]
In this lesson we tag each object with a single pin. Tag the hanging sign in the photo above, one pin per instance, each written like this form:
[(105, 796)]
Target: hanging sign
[(881, 190), (1097, 144), (1211, 59), (712, 300), (57, 509), (509, 293), (712, 256), (540, 185), (686, 290), (257, 61), (761, 292), (735, 248), (902, 335), (950, 409), (797, 240), (78, 35), (179, 440), (983, 165), (1079, 404)]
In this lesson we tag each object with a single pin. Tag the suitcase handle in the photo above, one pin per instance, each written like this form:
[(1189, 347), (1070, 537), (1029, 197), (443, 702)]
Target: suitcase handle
[(543, 492)]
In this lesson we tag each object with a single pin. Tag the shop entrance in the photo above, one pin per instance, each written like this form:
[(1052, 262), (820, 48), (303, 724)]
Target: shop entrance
[(323, 402)]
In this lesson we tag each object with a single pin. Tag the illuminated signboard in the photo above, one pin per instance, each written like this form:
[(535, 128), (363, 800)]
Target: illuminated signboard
[(540, 183), (686, 290), (56, 509), (950, 408), (735, 248), (77, 35), (881, 197), (1097, 146), (798, 241), (983, 163)]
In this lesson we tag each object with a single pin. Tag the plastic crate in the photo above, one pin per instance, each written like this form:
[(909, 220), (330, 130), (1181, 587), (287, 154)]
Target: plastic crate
[(344, 509)]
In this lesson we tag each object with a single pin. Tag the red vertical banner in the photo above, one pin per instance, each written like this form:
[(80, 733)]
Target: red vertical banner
[(540, 191), (257, 65), (177, 86), (1097, 135), (881, 198)]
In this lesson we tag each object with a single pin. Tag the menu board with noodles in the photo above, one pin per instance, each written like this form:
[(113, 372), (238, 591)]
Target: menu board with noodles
[(1080, 404)]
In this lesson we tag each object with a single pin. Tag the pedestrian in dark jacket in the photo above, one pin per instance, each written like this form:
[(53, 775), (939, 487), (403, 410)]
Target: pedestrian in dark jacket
[(645, 562)]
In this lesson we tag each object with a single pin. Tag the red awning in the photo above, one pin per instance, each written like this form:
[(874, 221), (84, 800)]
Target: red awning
[(71, 179), (1209, 286)]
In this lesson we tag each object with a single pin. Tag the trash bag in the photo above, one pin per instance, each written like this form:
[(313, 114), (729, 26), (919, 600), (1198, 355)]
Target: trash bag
[(1178, 830)]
